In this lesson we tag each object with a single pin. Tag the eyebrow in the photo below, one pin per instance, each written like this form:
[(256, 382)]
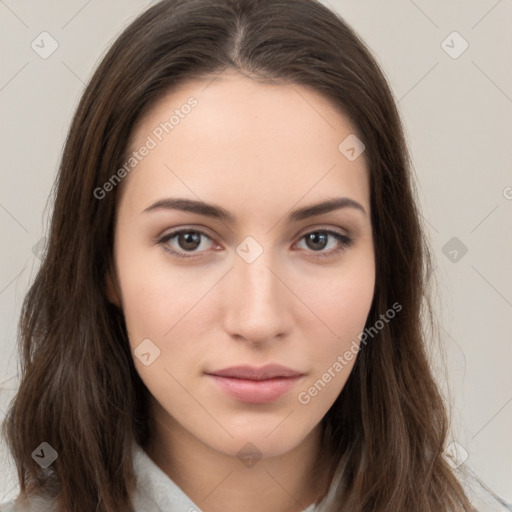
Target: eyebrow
[(217, 212)]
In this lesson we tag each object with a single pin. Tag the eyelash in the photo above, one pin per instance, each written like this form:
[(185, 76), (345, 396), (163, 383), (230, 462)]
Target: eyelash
[(344, 242)]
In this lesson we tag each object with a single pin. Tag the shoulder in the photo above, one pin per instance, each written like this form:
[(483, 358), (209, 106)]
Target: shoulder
[(29, 504)]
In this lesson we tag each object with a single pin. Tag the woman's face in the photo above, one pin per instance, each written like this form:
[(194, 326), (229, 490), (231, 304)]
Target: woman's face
[(257, 284)]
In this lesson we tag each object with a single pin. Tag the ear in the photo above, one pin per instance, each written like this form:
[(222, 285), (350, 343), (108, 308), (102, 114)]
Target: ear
[(112, 289)]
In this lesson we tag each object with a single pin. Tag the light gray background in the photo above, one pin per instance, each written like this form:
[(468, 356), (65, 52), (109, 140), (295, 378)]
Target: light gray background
[(457, 115)]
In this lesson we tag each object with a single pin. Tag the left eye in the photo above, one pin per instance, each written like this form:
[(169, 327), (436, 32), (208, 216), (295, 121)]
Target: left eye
[(318, 240), (189, 240)]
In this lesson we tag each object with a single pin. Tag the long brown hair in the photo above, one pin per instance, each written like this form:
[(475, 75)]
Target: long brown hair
[(79, 389)]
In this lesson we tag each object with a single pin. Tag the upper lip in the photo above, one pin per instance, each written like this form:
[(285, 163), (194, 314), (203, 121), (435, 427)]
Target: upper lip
[(270, 371)]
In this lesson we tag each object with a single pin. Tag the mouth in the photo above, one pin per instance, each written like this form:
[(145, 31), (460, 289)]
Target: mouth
[(255, 385)]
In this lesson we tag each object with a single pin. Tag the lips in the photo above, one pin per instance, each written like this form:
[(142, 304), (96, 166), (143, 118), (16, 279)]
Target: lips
[(255, 385), (270, 371)]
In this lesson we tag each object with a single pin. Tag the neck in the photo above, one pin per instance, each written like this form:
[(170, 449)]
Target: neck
[(218, 482)]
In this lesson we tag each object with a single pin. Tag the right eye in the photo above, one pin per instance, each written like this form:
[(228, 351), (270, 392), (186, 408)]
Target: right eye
[(187, 241)]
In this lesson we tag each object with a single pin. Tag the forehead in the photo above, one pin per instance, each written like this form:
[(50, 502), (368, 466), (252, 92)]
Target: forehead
[(236, 140)]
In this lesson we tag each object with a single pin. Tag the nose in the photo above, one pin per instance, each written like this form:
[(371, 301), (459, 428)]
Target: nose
[(257, 301)]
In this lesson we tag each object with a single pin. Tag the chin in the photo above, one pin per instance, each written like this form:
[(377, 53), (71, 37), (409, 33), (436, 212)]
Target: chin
[(253, 447), (266, 439)]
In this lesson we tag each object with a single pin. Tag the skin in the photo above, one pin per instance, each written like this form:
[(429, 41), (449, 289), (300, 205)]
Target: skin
[(259, 151)]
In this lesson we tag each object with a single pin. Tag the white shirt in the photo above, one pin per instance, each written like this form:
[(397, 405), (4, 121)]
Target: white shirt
[(156, 492)]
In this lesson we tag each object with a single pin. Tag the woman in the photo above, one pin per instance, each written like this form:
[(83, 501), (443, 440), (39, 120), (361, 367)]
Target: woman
[(228, 313)]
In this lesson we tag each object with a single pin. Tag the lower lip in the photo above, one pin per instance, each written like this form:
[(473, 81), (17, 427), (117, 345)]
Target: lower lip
[(256, 391)]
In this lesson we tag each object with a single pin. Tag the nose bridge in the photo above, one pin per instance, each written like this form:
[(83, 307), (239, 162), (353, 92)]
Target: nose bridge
[(256, 301)]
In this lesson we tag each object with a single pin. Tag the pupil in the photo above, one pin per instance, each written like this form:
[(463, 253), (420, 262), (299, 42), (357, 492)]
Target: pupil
[(190, 238), (314, 237)]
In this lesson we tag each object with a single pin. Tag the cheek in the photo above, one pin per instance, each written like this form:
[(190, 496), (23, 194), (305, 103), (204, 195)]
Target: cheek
[(341, 306), (160, 306), (347, 311), (340, 300), (155, 294), (169, 305)]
